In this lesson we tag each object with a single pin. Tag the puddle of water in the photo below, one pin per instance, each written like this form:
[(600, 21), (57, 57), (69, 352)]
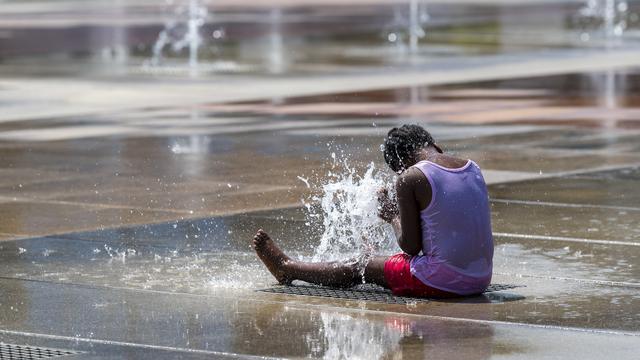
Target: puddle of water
[(565, 260), (608, 189), (199, 256)]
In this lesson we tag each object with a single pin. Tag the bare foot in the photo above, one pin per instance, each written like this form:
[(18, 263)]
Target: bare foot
[(271, 256)]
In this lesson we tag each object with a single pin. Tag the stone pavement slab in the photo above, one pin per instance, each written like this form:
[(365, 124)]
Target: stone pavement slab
[(580, 222), (232, 325), (33, 218), (68, 97), (212, 256), (567, 259), (109, 247), (579, 189)]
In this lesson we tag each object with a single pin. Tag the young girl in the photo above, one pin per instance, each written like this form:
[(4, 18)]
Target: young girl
[(441, 219)]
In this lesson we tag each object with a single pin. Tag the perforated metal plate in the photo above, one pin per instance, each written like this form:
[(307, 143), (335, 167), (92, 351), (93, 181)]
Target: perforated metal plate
[(23, 352), (366, 292)]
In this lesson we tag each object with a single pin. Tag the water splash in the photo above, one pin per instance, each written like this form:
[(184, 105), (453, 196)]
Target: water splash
[(418, 16), (407, 28), (610, 18), (193, 144), (182, 31), (119, 254), (348, 209), (276, 59)]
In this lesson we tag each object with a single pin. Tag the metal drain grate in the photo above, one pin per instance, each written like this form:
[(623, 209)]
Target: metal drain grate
[(500, 287), (23, 352), (366, 292)]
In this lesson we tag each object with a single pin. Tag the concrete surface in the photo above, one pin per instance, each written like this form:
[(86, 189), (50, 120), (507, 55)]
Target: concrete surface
[(128, 203)]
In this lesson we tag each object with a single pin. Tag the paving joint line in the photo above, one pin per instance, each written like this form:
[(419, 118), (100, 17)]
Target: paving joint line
[(569, 205), (537, 176), (568, 239), (589, 281), (92, 205), (599, 169), (195, 217), (268, 188), (350, 309), (478, 321), (77, 339)]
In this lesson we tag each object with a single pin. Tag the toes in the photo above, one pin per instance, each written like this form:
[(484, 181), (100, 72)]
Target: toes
[(260, 239)]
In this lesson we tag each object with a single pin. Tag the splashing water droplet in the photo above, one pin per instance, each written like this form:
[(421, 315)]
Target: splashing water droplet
[(305, 181), (349, 211)]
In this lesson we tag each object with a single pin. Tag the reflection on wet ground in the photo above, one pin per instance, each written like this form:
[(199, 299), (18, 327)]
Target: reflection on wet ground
[(612, 189), (228, 325), (152, 231), (308, 38), (108, 223), (211, 257), (127, 206)]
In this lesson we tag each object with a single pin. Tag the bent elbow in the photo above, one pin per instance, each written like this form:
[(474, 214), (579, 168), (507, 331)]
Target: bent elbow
[(410, 248), (412, 252)]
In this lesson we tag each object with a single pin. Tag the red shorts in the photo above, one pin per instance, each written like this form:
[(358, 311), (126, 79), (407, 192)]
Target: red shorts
[(397, 273)]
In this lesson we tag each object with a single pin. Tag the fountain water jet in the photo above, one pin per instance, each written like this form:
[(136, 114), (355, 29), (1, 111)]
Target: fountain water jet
[(417, 16), (406, 30), (349, 214), (193, 35), (195, 144), (276, 43), (180, 32), (611, 16)]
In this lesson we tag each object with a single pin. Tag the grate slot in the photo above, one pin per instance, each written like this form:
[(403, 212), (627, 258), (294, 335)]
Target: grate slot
[(24, 352), (366, 292)]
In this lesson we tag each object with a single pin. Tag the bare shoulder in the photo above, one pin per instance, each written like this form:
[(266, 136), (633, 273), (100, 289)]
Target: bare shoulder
[(414, 184), (450, 162), (411, 179)]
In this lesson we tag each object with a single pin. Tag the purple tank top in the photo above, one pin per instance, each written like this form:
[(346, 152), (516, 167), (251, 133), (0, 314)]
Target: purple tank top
[(457, 242)]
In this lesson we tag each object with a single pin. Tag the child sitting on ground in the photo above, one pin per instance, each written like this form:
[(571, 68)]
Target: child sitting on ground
[(441, 219)]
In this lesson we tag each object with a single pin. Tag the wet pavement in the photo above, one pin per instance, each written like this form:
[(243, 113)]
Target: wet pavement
[(128, 200), (137, 246)]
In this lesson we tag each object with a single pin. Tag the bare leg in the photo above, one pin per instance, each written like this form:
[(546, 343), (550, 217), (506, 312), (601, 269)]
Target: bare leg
[(339, 274), (374, 271), (275, 260)]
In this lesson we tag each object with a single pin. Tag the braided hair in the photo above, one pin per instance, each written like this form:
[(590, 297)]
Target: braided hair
[(401, 144)]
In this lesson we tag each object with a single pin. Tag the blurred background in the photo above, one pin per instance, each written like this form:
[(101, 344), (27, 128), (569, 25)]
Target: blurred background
[(206, 38), (144, 142)]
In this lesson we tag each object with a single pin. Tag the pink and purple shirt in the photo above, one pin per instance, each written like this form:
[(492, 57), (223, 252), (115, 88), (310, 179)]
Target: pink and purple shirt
[(457, 242)]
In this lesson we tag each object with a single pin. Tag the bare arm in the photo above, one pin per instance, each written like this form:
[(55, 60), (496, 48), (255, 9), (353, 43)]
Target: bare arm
[(407, 224), (397, 227), (388, 211)]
